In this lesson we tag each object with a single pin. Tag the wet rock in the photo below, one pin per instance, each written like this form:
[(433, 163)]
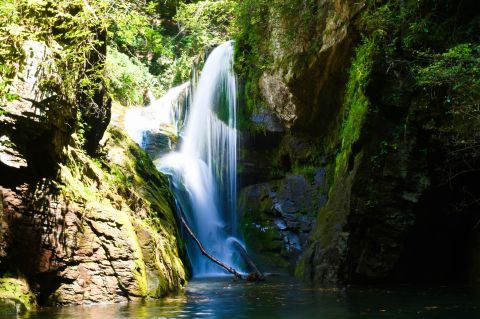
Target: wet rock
[(277, 216), (278, 97), (268, 120), (158, 143)]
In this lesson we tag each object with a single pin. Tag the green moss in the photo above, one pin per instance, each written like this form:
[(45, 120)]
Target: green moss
[(410, 74), (306, 170), (300, 269), (159, 247), (18, 291), (139, 269), (356, 105), (262, 237), (285, 24), (339, 174)]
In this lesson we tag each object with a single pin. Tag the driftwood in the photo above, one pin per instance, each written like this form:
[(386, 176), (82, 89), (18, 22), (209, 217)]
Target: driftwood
[(204, 252), (256, 275)]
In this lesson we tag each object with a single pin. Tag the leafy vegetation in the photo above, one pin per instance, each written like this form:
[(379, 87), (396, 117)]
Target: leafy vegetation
[(73, 31), (434, 57), (128, 78), (167, 48), (10, 34), (151, 45), (201, 24)]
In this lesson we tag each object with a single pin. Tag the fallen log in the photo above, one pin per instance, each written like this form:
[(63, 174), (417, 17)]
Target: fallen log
[(206, 254), (256, 275)]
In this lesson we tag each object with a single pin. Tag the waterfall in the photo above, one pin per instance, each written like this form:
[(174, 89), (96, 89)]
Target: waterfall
[(162, 116), (202, 172)]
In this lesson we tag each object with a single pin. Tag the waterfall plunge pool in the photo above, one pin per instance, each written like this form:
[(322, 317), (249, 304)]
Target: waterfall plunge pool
[(285, 297)]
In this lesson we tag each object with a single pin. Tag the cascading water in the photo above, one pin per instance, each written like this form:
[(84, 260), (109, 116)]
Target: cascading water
[(163, 115), (203, 172)]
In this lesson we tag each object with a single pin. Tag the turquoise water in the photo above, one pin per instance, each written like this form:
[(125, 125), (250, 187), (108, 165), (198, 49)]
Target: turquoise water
[(281, 297)]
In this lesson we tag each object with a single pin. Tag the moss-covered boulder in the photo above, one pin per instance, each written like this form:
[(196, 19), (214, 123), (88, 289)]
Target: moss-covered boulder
[(15, 296), (83, 225)]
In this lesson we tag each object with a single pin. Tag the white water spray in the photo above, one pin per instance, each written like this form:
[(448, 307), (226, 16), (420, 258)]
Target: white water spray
[(162, 116)]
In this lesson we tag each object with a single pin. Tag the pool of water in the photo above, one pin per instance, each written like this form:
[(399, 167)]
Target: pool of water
[(282, 297)]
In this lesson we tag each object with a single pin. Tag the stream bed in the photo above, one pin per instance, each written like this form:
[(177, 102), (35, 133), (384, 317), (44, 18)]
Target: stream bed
[(285, 297)]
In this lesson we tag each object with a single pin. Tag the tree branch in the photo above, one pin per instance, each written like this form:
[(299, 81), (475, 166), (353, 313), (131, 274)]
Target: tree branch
[(204, 252)]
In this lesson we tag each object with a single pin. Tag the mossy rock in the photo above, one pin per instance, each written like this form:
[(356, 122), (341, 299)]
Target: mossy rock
[(15, 296), (124, 205)]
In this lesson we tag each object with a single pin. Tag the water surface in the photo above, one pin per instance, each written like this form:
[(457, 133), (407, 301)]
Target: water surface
[(282, 297)]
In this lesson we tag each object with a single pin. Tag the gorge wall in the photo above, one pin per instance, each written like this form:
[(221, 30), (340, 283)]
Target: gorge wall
[(382, 95), (85, 217)]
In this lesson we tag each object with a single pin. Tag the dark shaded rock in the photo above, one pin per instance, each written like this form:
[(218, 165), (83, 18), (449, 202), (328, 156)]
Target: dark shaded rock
[(257, 149), (403, 188), (36, 127), (268, 121), (97, 121), (305, 90), (277, 216)]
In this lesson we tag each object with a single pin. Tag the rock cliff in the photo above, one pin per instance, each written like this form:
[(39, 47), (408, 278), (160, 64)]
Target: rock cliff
[(358, 86)]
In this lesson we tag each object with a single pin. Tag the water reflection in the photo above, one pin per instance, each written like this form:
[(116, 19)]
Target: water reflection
[(285, 298)]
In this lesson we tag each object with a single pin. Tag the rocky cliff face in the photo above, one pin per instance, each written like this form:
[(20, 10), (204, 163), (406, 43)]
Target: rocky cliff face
[(350, 89), (77, 229), (102, 232)]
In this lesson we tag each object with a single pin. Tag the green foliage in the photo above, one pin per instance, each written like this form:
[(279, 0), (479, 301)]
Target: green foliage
[(206, 22), (151, 47), (252, 56), (71, 29), (11, 35), (454, 76), (436, 56), (202, 24), (134, 29), (458, 67), (128, 78), (168, 43)]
